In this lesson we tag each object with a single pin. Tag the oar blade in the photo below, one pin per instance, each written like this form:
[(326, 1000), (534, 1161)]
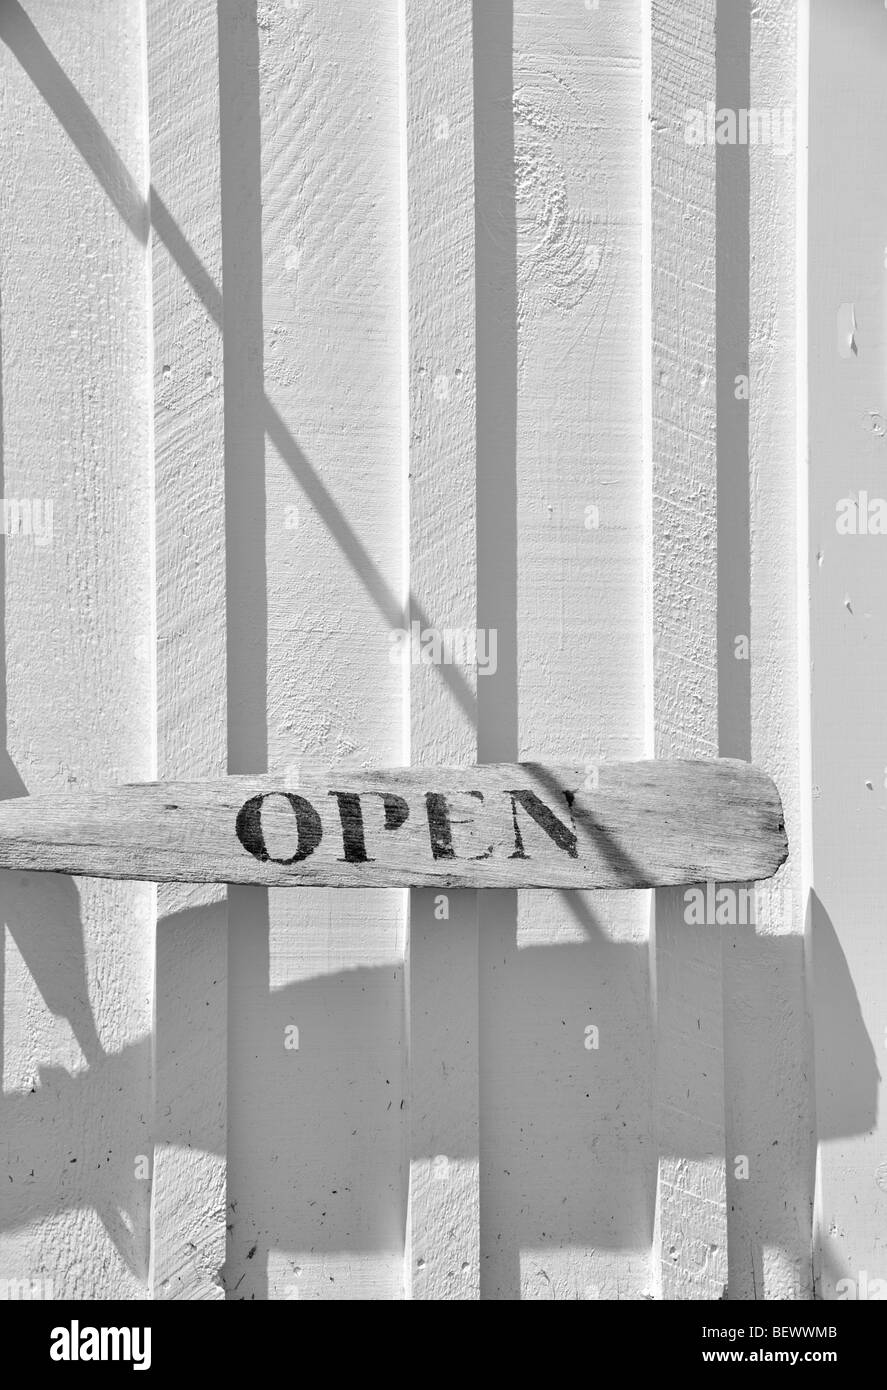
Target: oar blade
[(524, 825)]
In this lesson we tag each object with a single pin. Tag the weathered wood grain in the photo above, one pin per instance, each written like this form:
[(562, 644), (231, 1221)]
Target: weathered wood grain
[(509, 825)]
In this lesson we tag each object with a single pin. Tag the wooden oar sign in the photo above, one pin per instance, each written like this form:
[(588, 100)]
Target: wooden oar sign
[(521, 825)]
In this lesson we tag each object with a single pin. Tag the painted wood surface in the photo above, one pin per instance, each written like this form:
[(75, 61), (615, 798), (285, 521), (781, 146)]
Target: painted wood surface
[(77, 644), (847, 566), (566, 1162), (620, 520), (190, 986), (638, 825), (442, 1247), (769, 1119), (311, 195), (690, 1237)]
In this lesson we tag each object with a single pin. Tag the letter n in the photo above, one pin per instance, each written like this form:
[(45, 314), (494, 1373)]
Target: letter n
[(555, 829)]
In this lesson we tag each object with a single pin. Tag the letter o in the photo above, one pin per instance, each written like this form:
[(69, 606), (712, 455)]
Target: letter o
[(249, 827)]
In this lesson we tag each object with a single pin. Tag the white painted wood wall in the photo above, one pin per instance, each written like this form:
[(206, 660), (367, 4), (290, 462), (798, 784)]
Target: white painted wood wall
[(319, 319)]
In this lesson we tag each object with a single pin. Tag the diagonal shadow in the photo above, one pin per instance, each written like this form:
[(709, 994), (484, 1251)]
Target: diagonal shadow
[(627, 869), (245, 402), (86, 133), (43, 917), (42, 912), (61, 96)]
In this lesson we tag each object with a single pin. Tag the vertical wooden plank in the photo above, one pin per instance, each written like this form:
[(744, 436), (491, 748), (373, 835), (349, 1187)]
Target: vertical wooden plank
[(847, 673), (690, 1241), (190, 988), (567, 1174), (76, 1105), (312, 180), (768, 1061), (442, 1246)]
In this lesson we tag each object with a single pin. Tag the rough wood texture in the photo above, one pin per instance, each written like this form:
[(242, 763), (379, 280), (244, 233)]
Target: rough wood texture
[(690, 1239), (847, 670), (442, 1257), (190, 988), (567, 1180), (77, 672), (316, 538), (524, 825)]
